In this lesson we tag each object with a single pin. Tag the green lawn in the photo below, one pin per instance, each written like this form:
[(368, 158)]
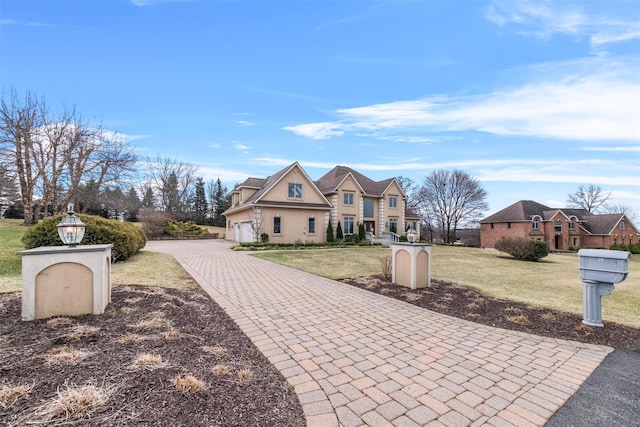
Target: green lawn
[(551, 283), (144, 268)]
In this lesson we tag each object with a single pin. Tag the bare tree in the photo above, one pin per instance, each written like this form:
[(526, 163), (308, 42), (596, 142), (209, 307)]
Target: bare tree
[(410, 190), (19, 120), (621, 209), (452, 199), (53, 155), (589, 197), (161, 171)]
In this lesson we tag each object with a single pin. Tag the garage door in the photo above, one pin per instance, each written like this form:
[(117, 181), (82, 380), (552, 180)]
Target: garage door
[(243, 232)]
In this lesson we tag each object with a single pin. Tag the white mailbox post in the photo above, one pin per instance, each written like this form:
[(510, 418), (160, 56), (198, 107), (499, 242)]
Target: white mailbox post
[(600, 270)]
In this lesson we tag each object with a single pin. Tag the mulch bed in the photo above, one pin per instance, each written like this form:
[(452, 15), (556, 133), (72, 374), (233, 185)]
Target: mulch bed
[(468, 303), (156, 357)]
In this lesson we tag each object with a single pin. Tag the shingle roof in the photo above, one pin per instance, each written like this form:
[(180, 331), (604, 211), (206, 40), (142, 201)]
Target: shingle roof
[(330, 181), (602, 224), (522, 210)]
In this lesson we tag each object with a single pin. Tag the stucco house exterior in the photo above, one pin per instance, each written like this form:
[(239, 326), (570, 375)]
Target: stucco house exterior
[(292, 208), (562, 228)]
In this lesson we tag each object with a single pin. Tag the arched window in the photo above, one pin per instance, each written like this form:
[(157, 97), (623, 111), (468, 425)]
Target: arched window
[(558, 226), (622, 225), (535, 223)]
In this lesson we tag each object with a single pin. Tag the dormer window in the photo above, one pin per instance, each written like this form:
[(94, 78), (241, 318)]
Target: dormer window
[(536, 223), (295, 191)]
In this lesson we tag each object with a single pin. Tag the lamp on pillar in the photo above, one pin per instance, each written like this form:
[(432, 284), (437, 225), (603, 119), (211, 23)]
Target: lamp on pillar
[(71, 228), (411, 235)]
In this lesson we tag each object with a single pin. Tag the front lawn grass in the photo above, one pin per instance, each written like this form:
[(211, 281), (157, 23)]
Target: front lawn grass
[(551, 283), (144, 268)]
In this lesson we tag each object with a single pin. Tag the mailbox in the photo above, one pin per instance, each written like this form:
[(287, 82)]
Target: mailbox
[(605, 266), (600, 270)]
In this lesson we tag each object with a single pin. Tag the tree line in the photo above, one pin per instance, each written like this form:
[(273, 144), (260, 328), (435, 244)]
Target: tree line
[(49, 160)]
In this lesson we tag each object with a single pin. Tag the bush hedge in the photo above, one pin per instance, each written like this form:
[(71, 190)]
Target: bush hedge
[(634, 248), (523, 249), (126, 238), (180, 228)]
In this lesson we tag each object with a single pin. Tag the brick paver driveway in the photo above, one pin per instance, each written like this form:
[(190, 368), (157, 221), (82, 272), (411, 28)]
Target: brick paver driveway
[(358, 358)]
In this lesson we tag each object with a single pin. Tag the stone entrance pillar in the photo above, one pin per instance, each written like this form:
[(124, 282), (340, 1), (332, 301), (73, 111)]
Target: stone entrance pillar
[(411, 264), (65, 281)]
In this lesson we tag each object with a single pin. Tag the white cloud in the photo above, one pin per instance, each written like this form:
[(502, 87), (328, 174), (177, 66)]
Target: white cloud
[(215, 145), (545, 19), (245, 123), (240, 147), (595, 99), (316, 130)]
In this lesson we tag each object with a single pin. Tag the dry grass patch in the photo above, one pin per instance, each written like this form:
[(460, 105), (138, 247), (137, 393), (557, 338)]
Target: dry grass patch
[(221, 369), (172, 334), (73, 403), (385, 291), (520, 319), (148, 362), (156, 320), (81, 331), (65, 355), (131, 339), (549, 316), (472, 306), (10, 394), (411, 297), (586, 329), (132, 300), (59, 321), (216, 349), (188, 384), (128, 310), (245, 375)]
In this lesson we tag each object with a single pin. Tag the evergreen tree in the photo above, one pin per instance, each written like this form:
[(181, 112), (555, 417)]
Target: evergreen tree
[(330, 237), (199, 202), (339, 234), (132, 205), (148, 197), (172, 195), (222, 204), (361, 233)]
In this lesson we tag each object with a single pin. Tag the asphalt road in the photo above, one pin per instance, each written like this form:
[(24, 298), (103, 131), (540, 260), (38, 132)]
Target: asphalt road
[(609, 397)]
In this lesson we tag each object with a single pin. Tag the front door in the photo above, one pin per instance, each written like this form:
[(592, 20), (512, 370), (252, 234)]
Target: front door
[(370, 227), (558, 242)]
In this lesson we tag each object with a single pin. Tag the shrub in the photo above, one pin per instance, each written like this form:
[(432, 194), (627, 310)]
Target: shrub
[(523, 249), (181, 228), (403, 239), (330, 237), (126, 238), (634, 248), (361, 233), (352, 238), (152, 222), (386, 264), (264, 238), (339, 234)]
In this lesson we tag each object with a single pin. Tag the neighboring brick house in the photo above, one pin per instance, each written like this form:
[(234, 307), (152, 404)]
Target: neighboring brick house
[(290, 207), (562, 228)]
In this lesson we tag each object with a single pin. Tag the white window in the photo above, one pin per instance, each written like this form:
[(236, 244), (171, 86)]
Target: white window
[(536, 223), (393, 225), (348, 225), (347, 199), (622, 225), (393, 202), (312, 226), (277, 225), (295, 191)]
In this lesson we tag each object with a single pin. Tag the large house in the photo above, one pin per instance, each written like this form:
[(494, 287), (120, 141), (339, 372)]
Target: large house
[(290, 207), (562, 228)]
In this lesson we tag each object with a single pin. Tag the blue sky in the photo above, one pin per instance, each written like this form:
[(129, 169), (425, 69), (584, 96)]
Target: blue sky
[(533, 98)]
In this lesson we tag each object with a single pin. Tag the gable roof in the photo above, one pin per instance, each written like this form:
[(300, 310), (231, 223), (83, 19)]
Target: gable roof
[(522, 210), (330, 182), (602, 224), (265, 184)]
